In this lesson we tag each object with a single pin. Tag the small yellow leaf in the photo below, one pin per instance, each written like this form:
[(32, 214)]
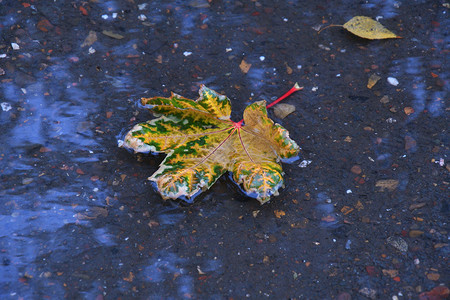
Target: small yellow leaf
[(245, 67), (279, 213), (130, 277), (373, 79), (389, 184), (367, 28)]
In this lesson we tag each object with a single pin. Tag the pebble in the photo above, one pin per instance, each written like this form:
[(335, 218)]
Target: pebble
[(6, 106), (91, 50), (398, 243), (392, 81), (384, 99), (356, 170), (368, 292), (187, 53), (304, 163), (262, 58), (415, 233), (348, 244), (142, 6), (142, 17), (433, 276), (26, 181)]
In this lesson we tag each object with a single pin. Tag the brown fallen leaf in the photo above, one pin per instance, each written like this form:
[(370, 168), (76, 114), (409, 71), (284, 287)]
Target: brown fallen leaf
[(44, 25), (279, 213), (440, 245), (410, 143), (282, 110), (367, 28), (288, 69), (90, 39), (391, 273), (113, 34), (438, 293), (303, 223), (408, 110), (346, 210), (92, 213), (129, 278), (385, 99), (417, 205), (415, 233), (389, 184), (244, 66), (359, 206), (433, 276), (45, 149), (356, 170)]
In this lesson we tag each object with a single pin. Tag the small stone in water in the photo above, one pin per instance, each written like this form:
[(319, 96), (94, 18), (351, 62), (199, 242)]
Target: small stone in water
[(15, 46), (356, 170), (199, 4), (142, 6), (393, 81), (187, 53), (347, 244), (304, 163), (26, 181), (6, 106), (368, 292), (415, 233), (384, 99)]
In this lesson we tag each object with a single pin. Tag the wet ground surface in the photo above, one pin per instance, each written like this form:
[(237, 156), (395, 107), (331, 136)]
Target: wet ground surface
[(366, 218)]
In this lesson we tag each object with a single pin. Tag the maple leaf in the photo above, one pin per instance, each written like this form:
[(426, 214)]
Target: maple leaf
[(202, 143)]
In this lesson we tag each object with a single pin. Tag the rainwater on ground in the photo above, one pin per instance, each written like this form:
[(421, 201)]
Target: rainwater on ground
[(364, 213)]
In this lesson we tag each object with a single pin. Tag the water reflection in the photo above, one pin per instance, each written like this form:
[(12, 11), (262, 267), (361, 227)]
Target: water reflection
[(77, 215)]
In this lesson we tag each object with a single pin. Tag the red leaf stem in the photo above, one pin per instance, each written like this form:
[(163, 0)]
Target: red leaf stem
[(295, 88)]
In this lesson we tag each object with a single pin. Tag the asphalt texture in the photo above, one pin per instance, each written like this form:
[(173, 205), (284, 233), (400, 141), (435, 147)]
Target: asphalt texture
[(364, 212)]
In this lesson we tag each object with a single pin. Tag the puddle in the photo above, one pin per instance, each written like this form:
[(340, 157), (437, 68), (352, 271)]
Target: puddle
[(80, 219)]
